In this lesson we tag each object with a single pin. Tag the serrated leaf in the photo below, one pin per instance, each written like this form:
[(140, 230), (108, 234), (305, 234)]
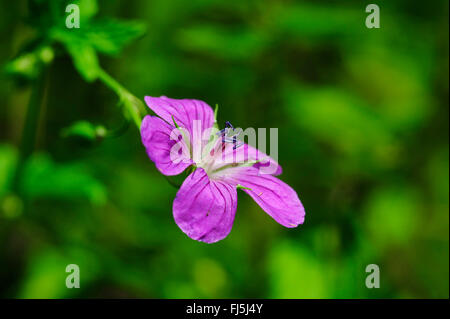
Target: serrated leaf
[(105, 36), (84, 59), (109, 36), (83, 55)]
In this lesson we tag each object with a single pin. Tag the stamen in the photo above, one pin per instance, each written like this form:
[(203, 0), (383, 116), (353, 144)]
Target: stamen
[(221, 132), (230, 139)]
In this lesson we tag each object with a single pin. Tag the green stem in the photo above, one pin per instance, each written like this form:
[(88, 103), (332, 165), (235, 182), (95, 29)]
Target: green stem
[(133, 106), (28, 139)]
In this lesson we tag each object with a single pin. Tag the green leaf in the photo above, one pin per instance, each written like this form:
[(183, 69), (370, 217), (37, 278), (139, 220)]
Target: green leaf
[(296, 273), (30, 64), (345, 122), (85, 130), (224, 43), (109, 36), (84, 59), (317, 21), (83, 55), (43, 178), (45, 274), (45, 277), (398, 207), (88, 8)]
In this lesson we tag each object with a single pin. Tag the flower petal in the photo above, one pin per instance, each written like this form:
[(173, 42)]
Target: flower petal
[(156, 137), (205, 209), (274, 196), (184, 111), (243, 155)]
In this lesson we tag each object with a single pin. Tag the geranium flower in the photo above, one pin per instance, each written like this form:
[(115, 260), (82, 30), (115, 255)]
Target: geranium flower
[(185, 135)]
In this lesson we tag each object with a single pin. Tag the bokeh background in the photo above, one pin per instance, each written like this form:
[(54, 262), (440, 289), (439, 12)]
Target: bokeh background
[(363, 138)]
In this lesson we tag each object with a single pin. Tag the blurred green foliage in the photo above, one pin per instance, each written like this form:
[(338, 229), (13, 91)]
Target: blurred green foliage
[(363, 138)]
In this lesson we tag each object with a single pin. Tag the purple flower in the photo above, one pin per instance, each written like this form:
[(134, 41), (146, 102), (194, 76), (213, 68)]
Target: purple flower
[(185, 135)]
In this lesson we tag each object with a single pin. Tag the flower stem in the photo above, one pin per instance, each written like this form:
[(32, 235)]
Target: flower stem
[(134, 107)]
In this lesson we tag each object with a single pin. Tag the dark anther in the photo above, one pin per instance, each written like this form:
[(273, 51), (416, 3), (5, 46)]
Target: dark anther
[(230, 139)]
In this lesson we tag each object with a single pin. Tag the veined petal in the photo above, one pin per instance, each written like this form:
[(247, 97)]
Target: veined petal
[(184, 111), (274, 196), (242, 156), (205, 209), (156, 137)]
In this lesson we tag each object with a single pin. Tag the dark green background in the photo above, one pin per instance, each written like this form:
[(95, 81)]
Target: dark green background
[(363, 138)]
